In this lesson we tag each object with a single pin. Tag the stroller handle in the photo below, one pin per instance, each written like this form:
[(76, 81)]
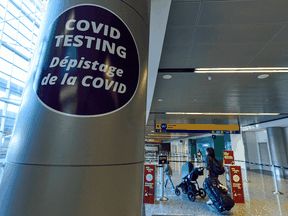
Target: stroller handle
[(199, 169)]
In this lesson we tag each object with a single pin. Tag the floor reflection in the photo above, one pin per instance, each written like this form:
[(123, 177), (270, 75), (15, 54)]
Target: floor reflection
[(258, 195)]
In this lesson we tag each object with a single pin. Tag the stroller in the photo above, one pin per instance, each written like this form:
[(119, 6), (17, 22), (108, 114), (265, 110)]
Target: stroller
[(189, 184)]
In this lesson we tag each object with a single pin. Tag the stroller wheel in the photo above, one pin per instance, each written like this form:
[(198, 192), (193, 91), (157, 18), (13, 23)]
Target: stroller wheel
[(177, 192), (202, 193), (191, 196)]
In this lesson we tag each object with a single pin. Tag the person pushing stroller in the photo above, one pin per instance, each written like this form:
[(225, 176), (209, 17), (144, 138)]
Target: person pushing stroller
[(168, 172)]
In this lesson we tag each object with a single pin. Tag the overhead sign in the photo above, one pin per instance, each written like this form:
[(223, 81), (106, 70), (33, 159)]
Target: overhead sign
[(156, 142), (197, 128), (149, 184), (89, 65), (151, 148)]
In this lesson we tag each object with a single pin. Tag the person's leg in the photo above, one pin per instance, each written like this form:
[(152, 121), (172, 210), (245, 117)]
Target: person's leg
[(166, 181), (171, 182)]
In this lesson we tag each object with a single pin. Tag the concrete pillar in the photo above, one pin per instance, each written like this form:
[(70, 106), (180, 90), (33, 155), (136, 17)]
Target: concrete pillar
[(78, 144), (277, 149)]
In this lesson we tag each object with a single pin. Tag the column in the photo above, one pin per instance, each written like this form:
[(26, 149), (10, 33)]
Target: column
[(277, 148), (78, 144)]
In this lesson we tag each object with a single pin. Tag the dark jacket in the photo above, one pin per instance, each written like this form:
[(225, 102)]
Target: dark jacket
[(209, 166), (168, 170)]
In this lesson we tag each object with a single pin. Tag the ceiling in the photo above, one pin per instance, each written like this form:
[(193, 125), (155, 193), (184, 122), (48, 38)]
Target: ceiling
[(222, 34)]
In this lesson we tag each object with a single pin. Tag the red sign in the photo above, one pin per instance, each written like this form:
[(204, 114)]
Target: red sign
[(236, 184), (228, 157), (149, 184)]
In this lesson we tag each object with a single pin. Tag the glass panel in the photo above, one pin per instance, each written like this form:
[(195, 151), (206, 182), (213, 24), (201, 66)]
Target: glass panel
[(6, 67), (9, 124), (1, 23), (4, 80), (2, 91), (12, 111), (25, 31), (29, 5), (6, 54), (15, 96), (39, 16), (15, 11), (17, 86), (23, 50), (26, 22), (12, 20), (26, 9), (20, 62), (19, 74), (23, 40), (1, 109), (34, 38), (2, 12), (9, 30), (5, 142), (4, 148), (9, 40), (18, 2), (36, 30)]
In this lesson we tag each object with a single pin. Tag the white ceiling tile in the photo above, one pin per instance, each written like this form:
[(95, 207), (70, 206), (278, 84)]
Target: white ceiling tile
[(183, 14), (218, 62), (175, 50), (224, 50), (178, 36), (236, 34), (244, 12), (282, 36), (173, 61), (269, 61), (275, 50)]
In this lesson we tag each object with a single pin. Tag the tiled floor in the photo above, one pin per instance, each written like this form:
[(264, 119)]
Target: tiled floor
[(259, 198)]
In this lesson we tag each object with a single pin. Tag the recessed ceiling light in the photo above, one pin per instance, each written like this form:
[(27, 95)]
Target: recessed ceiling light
[(242, 70), (263, 76), (167, 76), (186, 113), (160, 100)]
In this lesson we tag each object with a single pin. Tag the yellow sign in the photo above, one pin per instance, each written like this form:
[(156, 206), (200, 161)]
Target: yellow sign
[(209, 128)]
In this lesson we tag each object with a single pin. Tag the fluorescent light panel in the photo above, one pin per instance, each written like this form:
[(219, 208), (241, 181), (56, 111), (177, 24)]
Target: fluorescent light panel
[(196, 113), (243, 70)]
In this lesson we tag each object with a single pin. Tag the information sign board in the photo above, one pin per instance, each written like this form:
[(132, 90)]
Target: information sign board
[(234, 183), (198, 128), (228, 157), (162, 159), (149, 184)]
